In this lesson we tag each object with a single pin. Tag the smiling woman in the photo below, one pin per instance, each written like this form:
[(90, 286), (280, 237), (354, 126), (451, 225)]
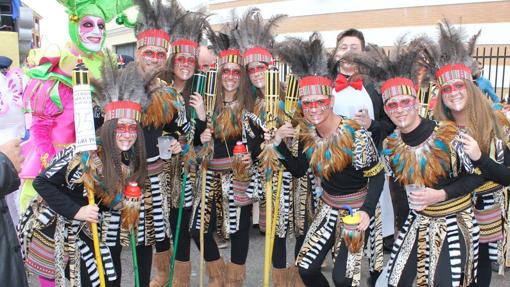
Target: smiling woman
[(119, 161)]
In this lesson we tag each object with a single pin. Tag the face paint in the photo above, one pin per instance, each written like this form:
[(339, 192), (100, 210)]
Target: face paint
[(230, 77), (315, 108), (403, 112), (126, 134), (151, 58), (91, 30), (184, 66), (454, 95), (256, 74)]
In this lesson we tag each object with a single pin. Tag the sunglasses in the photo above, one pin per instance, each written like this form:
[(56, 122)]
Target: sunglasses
[(154, 55), (183, 60), (126, 130), (235, 73), (321, 105), (257, 69), (450, 88), (405, 104)]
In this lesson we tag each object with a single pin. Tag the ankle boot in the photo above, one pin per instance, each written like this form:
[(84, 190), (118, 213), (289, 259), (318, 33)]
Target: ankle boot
[(216, 272), (236, 274), (294, 277), (280, 277), (161, 261), (182, 274)]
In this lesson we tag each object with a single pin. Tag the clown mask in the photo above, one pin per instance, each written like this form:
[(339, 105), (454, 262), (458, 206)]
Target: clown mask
[(91, 32)]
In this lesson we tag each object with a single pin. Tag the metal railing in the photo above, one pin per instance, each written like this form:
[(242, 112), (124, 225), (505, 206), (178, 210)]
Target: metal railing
[(496, 67)]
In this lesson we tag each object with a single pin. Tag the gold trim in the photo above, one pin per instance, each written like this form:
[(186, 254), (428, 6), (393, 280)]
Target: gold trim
[(448, 207), (374, 170)]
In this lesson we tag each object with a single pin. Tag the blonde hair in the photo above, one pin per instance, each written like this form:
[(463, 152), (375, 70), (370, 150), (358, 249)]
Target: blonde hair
[(482, 123)]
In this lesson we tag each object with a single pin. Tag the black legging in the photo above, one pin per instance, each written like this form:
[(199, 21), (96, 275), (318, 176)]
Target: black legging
[(183, 250), (484, 273), (144, 258), (239, 240), (443, 275), (280, 250)]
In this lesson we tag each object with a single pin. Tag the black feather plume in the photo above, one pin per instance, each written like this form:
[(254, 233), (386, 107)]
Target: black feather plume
[(126, 84), (403, 60), (305, 58), (452, 47), (254, 31)]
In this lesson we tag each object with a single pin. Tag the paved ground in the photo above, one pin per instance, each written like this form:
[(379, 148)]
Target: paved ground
[(254, 265)]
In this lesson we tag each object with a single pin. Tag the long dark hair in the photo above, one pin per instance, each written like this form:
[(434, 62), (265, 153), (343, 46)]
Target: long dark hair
[(111, 158), (186, 92), (243, 94)]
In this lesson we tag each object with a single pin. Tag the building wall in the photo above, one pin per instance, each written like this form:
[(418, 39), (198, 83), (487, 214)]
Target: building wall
[(9, 46)]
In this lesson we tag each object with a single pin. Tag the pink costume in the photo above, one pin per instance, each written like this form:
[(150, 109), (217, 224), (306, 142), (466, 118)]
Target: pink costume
[(49, 96)]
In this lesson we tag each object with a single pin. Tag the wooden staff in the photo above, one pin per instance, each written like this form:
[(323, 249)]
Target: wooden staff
[(210, 100), (291, 100), (86, 141), (271, 104)]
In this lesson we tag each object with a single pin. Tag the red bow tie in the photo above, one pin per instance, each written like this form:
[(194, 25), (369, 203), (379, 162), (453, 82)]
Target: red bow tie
[(341, 83)]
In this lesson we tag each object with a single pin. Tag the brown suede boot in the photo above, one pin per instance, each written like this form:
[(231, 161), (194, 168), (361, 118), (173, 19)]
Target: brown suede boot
[(294, 277), (280, 277), (161, 261), (216, 272), (236, 274), (182, 274)]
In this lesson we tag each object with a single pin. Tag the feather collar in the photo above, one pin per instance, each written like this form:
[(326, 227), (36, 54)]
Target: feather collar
[(423, 164), (334, 153)]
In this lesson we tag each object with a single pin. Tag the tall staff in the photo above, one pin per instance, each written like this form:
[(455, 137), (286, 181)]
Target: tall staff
[(291, 100), (86, 141), (205, 153), (269, 157)]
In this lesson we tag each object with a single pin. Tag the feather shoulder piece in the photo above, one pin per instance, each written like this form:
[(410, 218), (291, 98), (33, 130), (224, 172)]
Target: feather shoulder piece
[(333, 154), (426, 163)]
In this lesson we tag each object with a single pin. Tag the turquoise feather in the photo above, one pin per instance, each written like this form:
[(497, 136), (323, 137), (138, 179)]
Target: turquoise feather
[(328, 154), (423, 163), (350, 129), (401, 167), (348, 151), (441, 145), (396, 159)]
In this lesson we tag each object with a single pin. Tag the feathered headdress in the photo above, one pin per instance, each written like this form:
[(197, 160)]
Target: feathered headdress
[(224, 43), (122, 91), (154, 21), (256, 36), (187, 33), (396, 74), (309, 62), (450, 58)]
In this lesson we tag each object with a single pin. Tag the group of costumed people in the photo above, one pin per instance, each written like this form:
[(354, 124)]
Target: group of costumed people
[(301, 148)]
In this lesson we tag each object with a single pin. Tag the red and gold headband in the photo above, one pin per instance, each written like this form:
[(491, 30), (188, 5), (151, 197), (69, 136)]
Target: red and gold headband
[(315, 85), (153, 37), (453, 72), (185, 46), (123, 109), (257, 54), (230, 56), (396, 87)]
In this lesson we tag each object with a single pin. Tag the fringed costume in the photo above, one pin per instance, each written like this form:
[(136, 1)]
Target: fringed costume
[(344, 162), (51, 238), (450, 61), (443, 236), (184, 32)]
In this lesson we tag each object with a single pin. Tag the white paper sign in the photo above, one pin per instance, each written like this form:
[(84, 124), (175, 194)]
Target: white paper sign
[(84, 119)]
